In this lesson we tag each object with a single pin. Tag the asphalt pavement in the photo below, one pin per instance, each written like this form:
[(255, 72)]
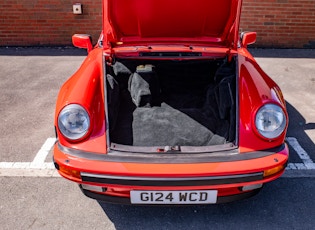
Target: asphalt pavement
[(35, 198)]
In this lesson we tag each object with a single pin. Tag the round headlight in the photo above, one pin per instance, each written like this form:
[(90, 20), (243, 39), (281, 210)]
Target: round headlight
[(270, 121), (73, 122)]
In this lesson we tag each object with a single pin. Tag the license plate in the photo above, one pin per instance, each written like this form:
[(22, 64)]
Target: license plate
[(174, 197)]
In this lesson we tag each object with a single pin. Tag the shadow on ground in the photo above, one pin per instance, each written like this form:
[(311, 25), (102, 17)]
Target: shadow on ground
[(72, 51), (282, 53), (42, 51), (297, 128)]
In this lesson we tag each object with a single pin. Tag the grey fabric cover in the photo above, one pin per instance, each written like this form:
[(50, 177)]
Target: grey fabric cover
[(144, 87), (165, 126), (120, 69), (139, 91)]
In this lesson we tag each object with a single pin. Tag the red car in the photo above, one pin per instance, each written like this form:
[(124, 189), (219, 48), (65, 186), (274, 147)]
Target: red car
[(170, 108)]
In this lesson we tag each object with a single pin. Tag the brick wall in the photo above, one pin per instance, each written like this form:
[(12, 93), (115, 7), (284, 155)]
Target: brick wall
[(279, 23), (47, 22)]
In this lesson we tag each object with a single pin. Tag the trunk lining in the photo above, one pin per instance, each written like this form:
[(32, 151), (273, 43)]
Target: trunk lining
[(172, 103)]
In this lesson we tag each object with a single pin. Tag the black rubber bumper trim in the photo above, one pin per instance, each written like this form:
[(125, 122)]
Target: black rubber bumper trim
[(125, 200), (166, 181), (172, 158)]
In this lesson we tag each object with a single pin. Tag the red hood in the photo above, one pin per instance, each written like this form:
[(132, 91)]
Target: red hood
[(189, 22)]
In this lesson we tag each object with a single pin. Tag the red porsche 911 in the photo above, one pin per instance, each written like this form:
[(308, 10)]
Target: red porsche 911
[(169, 107)]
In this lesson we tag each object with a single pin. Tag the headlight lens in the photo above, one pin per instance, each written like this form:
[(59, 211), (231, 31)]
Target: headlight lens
[(73, 122), (270, 121)]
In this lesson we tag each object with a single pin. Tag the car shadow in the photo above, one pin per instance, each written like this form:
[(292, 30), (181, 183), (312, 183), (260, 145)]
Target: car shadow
[(282, 53), (42, 51), (297, 128)]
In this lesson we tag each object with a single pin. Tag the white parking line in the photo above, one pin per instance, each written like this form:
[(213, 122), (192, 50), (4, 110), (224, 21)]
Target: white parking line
[(39, 168), (42, 153), (307, 161)]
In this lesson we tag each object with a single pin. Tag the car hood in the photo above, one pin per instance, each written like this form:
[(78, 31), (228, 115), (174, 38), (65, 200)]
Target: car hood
[(191, 22)]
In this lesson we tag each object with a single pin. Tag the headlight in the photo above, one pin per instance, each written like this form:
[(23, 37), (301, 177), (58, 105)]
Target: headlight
[(270, 121), (73, 122)]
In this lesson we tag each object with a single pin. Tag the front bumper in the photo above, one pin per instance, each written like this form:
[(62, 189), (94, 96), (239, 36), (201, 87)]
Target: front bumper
[(117, 174)]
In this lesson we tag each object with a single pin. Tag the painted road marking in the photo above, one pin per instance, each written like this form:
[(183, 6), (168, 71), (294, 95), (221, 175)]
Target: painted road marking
[(39, 168), (307, 161), (42, 153)]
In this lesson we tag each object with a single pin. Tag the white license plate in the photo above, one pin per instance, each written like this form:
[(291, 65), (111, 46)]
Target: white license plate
[(174, 197)]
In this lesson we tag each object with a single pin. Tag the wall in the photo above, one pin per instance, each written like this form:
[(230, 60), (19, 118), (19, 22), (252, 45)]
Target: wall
[(279, 23), (47, 22)]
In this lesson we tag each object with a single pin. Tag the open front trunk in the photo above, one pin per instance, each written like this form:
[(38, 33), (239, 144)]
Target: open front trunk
[(171, 105)]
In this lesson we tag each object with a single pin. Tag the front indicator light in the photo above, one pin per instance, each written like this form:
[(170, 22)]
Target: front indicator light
[(273, 171), (70, 172)]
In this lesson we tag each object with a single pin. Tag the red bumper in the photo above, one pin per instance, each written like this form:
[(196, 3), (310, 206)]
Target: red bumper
[(111, 177)]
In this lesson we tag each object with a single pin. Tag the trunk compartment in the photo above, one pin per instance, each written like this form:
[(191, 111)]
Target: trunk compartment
[(171, 104)]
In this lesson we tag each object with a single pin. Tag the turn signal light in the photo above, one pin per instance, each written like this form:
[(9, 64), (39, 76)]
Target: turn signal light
[(273, 171), (70, 172)]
